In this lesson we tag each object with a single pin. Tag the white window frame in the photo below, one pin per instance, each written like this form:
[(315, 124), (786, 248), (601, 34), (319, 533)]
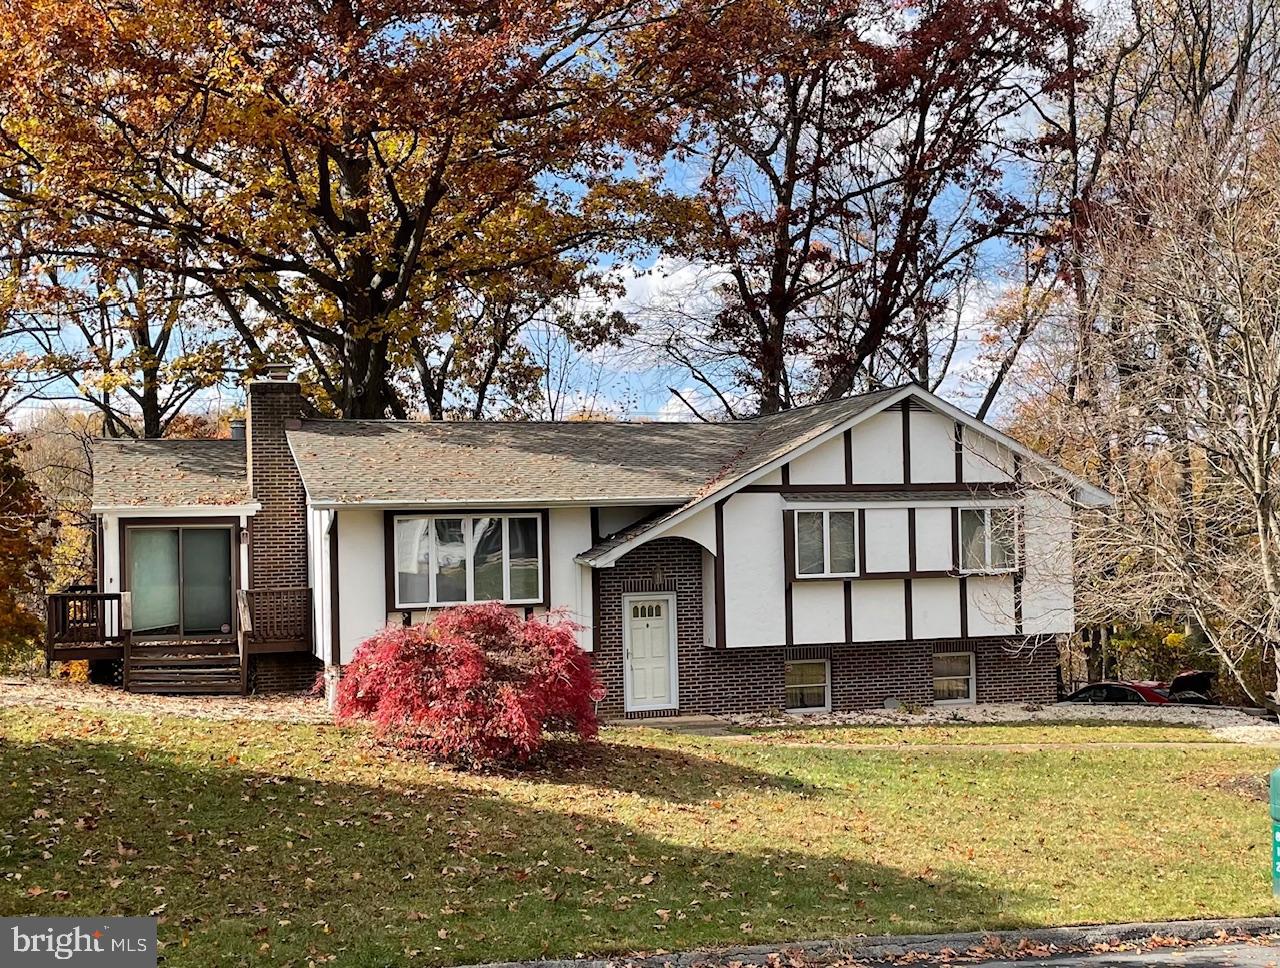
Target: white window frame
[(986, 568), (468, 526), (826, 544), (808, 710), (972, 677)]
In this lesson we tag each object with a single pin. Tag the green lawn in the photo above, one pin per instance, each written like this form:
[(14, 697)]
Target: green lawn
[(970, 734), (289, 844)]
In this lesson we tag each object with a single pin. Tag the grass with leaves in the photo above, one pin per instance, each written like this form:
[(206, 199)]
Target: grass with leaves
[(983, 734), (269, 843)]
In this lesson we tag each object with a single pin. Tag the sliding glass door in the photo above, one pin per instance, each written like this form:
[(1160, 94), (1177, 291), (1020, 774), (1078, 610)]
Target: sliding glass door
[(181, 579)]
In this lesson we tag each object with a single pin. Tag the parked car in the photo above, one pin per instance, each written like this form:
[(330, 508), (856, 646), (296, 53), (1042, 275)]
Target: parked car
[(1191, 687), (1119, 692)]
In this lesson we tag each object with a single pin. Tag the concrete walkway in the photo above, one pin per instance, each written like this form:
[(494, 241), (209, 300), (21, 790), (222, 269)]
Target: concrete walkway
[(1229, 942), (1252, 955)]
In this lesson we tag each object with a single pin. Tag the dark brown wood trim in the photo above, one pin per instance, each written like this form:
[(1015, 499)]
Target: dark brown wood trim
[(906, 603), (232, 524), (862, 540), (789, 558), (964, 606), (335, 623), (389, 556), (848, 457), (906, 441), (955, 539), (848, 610), (720, 610), (595, 527), (1017, 603), (595, 610), (545, 516), (878, 576), (975, 488), (75, 653), (786, 475), (911, 539), (959, 452)]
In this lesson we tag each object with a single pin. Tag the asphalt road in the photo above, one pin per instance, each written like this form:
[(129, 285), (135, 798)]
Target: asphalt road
[(1205, 956)]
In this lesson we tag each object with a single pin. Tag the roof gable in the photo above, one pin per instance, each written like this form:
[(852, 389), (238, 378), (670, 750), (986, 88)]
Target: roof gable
[(772, 457)]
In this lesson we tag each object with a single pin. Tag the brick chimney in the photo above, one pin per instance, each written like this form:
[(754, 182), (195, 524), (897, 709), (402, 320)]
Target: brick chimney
[(278, 536)]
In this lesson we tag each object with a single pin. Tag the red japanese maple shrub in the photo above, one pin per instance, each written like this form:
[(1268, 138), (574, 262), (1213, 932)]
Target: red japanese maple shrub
[(476, 685)]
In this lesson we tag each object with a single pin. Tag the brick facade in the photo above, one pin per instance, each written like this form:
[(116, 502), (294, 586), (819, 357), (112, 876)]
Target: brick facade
[(286, 672), (278, 532), (863, 674)]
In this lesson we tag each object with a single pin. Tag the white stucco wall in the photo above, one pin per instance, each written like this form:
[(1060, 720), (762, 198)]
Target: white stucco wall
[(877, 449), (878, 611), (933, 538), (1048, 593), (985, 459), (570, 535), (886, 540), (991, 610), (362, 588), (754, 570), (613, 519), (933, 447), (823, 464), (701, 529), (935, 608), (817, 609)]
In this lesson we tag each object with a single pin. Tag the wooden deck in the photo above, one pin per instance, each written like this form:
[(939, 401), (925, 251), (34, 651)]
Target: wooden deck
[(84, 624)]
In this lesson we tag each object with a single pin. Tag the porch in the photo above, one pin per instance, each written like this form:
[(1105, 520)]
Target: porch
[(86, 624)]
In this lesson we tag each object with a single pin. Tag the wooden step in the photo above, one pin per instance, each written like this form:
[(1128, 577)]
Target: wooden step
[(174, 669), (182, 661), (203, 688), (178, 648)]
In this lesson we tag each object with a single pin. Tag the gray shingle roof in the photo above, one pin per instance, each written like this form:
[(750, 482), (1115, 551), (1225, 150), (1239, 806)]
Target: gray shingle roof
[(407, 462), (169, 473), (374, 461), (471, 462)]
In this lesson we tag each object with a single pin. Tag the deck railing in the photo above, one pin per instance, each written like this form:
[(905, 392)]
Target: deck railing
[(86, 617), (277, 615)]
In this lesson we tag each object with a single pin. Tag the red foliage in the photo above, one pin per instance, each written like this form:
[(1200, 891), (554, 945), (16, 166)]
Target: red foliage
[(476, 685)]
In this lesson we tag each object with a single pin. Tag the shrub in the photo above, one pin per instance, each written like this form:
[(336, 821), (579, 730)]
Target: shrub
[(476, 685)]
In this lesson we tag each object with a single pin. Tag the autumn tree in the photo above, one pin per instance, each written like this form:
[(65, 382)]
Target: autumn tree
[(346, 165), (137, 344), (848, 184), (26, 540), (1155, 164)]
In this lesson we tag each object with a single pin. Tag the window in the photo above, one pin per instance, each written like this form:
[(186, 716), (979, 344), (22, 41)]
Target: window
[(826, 544), (953, 679), (446, 559), (180, 580), (808, 686), (988, 539)]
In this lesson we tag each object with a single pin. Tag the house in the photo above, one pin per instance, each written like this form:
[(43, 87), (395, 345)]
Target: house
[(884, 546)]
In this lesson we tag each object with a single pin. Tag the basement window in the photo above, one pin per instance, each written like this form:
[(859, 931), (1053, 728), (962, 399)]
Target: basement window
[(954, 683), (808, 686), (448, 559)]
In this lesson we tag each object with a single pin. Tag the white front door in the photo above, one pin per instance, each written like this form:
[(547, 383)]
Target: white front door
[(650, 653)]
